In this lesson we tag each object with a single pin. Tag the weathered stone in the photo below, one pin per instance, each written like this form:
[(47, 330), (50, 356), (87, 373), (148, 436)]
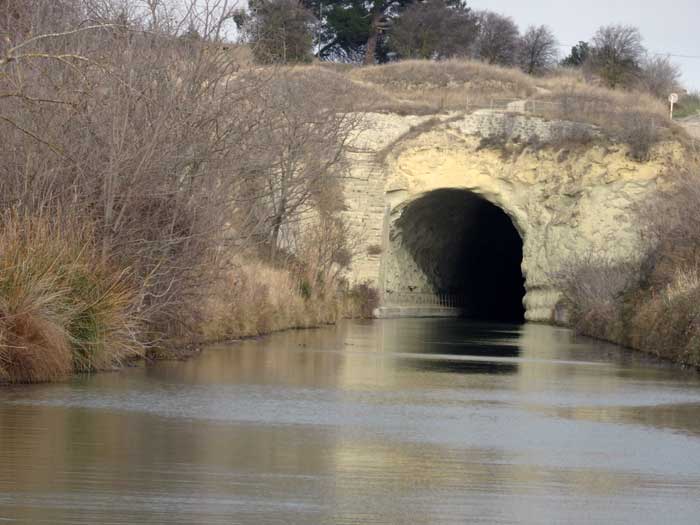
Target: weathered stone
[(568, 202)]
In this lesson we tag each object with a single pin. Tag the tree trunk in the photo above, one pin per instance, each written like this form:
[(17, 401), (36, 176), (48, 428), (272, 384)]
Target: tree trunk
[(274, 240), (373, 39)]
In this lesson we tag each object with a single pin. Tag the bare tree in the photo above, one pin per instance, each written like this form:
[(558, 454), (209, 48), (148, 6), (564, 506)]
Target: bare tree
[(434, 30), (659, 76), (537, 51), (497, 42), (22, 18), (617, 54), (166, 147), (296, 153), (15, 19), (133, 131)]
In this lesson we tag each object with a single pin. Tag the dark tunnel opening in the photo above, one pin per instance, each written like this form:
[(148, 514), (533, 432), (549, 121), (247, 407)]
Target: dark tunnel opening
[(469, 250)]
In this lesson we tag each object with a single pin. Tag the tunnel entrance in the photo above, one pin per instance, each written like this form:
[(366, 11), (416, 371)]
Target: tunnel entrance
[(469, 250)]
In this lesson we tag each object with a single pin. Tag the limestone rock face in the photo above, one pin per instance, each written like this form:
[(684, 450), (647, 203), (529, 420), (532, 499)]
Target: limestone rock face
[(569, 200)]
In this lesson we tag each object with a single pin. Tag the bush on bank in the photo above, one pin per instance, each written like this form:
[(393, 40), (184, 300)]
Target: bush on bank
[(64, 309), (654, 304)]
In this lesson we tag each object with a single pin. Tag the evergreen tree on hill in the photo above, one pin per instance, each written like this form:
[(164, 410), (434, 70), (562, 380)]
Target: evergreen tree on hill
[(579, 55), (353, 30), (279, 31), (434, 29)]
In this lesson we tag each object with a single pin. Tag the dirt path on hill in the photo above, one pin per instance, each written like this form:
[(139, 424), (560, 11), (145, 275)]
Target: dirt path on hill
[(692, 125)]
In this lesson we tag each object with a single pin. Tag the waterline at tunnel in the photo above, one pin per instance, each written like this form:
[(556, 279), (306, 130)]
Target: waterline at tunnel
[(460, 246)]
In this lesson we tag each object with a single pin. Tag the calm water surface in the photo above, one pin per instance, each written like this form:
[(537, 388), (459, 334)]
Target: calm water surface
[(405, 421)]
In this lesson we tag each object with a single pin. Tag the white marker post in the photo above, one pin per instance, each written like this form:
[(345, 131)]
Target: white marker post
[(672, 98)]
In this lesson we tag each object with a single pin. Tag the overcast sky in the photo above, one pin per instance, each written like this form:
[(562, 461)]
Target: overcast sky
[(669, 27)]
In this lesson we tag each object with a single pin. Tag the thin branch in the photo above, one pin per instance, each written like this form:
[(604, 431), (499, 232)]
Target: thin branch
[(52, 147), (58, 35)]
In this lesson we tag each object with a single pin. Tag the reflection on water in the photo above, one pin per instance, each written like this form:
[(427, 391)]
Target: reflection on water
[(406, 421)]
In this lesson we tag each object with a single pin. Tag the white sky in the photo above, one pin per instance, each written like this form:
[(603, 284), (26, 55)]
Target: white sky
[(669, 27)]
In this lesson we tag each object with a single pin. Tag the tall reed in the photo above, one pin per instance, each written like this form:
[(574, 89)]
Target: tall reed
[(64, 307)]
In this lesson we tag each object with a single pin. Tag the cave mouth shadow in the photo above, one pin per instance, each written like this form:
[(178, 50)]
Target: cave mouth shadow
[(470, 250)]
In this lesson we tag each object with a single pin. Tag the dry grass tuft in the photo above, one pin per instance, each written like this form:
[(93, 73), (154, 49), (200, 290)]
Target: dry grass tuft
[(255, 298), (447, 85), (667, 323), (63, 309), (424, 87), (334, 87)]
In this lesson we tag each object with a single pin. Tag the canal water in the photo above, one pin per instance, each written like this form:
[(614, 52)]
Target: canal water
[(394, 421)]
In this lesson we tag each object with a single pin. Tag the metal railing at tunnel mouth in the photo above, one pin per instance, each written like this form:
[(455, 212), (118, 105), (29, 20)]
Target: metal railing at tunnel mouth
[(423, 299)]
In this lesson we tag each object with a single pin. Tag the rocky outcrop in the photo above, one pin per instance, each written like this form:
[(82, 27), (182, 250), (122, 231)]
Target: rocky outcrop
[(569, 192)]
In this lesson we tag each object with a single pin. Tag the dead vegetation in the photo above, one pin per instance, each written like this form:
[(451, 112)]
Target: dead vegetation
[(636, 119), (651, 305), (423, 87), (174, 160), (254, 297), (449, 85), (63, 307)]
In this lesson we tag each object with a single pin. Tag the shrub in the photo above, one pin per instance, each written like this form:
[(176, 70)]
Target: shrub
[(365, 299), (63, 307), (654, 306), (667, 322), (570, 134), (659, 76), (594, 292), (636, 119), (640, 133), (374, 249), (174, 153), (671, 228)]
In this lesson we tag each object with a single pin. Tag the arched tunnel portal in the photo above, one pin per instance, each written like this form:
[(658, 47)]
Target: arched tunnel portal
[(454, 243)]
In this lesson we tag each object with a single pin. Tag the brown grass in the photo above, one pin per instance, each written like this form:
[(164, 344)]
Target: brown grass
[(667, 322), (594, 291), (63, 308), (636, 119), (361, 301), (256, 298), (447, 85), (424, 87)]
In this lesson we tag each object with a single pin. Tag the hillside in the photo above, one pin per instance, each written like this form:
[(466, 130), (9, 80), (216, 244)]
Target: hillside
[(430, 88)]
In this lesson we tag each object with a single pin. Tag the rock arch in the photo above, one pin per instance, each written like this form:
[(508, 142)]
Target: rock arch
[(568, 201)]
